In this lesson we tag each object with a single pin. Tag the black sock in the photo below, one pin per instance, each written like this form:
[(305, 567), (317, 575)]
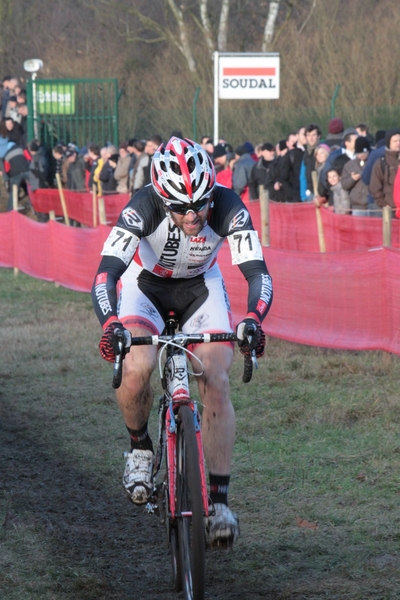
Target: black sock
[(219, 485), (140, 439)]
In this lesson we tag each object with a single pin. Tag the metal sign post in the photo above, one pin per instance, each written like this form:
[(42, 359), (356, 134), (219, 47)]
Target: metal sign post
[(250, 75)]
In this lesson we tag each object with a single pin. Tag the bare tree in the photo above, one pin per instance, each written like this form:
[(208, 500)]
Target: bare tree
[(269, 30), (223, 26)]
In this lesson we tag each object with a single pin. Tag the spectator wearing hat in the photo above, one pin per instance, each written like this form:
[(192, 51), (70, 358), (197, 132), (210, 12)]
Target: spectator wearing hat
[(242, 171), (335, 133), (221, 158), (259, 172), (121, 172), (384, 171), (61, 164), (352, 181)]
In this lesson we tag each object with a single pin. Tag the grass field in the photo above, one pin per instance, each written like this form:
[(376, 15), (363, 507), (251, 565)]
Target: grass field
[(316, 472)]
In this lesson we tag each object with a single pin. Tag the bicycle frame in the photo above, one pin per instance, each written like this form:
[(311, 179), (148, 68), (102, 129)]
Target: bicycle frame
[(176, 385)]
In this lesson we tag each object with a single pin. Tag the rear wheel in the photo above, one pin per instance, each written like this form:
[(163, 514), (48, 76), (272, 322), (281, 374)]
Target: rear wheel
[(189, 508)]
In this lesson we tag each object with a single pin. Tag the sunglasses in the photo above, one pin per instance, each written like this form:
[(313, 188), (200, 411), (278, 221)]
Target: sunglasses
[(183, 209)]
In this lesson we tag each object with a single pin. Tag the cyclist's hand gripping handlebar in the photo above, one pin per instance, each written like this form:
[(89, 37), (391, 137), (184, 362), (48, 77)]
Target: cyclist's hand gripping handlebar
[(122, 345)]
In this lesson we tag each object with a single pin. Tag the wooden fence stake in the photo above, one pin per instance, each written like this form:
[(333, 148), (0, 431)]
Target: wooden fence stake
[(94, 204), (102, 211), (320, 225), (387, 226), (264, 214), (62, 199)]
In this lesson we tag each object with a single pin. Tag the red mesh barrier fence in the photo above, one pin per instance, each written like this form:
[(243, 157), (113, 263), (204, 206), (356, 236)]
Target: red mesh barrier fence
[(79, 205), (337, 300)]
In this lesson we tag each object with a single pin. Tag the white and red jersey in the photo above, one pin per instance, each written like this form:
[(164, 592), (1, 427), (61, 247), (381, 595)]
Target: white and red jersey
[(146, 234)]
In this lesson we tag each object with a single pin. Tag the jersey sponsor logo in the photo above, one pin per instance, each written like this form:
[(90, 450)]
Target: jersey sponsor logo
[(199, 248), (101, 278), (100, 291), (266, 288), (198, 240), (131, 218), (162, 271), (148, 309), (170, 251), (199, 322), (261, 307), (239, 220)]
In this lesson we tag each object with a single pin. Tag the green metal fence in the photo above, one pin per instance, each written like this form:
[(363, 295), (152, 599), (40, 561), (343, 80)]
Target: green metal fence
[(73, 110)]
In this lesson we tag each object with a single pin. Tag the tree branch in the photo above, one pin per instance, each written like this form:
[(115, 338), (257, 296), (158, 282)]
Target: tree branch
[(223, 26), (308, 16)]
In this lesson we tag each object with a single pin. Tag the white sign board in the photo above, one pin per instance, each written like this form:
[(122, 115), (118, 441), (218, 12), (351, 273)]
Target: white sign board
[(252, 77)]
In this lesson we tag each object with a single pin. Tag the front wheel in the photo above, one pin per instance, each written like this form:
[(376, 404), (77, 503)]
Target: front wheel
[(189, 507)]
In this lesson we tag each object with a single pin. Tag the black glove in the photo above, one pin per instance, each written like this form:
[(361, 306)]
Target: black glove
[(249, 328), (108, 345)]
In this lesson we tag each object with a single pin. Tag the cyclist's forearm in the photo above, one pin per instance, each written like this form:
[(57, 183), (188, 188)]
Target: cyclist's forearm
[(260, 288), (104, 293)]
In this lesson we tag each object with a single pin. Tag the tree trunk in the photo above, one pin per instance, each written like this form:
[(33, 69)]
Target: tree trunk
[(206, 25), (223, 26), (184, 46), (269, 30)]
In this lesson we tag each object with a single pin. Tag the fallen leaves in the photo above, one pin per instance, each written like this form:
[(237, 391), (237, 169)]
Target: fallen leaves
[(304, 524)]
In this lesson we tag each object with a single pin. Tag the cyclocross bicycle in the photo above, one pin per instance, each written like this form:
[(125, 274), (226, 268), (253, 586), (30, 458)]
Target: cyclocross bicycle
[(181, 497)]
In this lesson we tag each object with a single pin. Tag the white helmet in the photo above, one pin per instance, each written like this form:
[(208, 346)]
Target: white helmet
[(182, 172)]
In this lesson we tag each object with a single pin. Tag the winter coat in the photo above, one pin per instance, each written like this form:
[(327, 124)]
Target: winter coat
[(290, 174), (358, 191), (121, 174), (341, 200), (382, 179), (258, 176), (242, 173)]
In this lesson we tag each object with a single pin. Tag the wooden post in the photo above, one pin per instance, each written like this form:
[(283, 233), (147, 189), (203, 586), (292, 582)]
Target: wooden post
[(94, 204), (62, 199), (387, 226), (320, 226), (264, 213), (102, 211), (15, 196), (52, 217)]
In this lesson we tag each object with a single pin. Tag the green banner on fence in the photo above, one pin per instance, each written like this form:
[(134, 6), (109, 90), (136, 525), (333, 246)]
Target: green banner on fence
[(55, 99)]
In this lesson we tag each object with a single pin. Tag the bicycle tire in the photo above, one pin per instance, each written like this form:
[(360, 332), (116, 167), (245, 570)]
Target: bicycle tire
[(189, 500)]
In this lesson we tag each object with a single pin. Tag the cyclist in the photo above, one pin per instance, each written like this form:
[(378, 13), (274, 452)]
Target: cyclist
[(161, 256)]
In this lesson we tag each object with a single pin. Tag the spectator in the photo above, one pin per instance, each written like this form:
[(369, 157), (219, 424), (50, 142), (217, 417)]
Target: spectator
[(61, 164), (289, 171), (107, 174), (5, 94), (338, 197), (313, 136), (274, 177), (135, 149), (121, 172), (23, 112), (337, 159), (76, 179), (258, 150), (12, 110), (241, 174), (38, 168), (334, 137), (384, 171), (94, 164), (15, 169), (363, 131), (301, 138), (222, 158), (292, 139), (15, 132), (141, 176), (259, 172), (351, 178)]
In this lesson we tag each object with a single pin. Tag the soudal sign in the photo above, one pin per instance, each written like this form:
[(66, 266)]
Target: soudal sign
[(249, 76)]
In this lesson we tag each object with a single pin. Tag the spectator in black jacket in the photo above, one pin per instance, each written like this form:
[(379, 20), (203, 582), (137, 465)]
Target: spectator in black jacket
[(274, 178), (259, 172), (290, 174)]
